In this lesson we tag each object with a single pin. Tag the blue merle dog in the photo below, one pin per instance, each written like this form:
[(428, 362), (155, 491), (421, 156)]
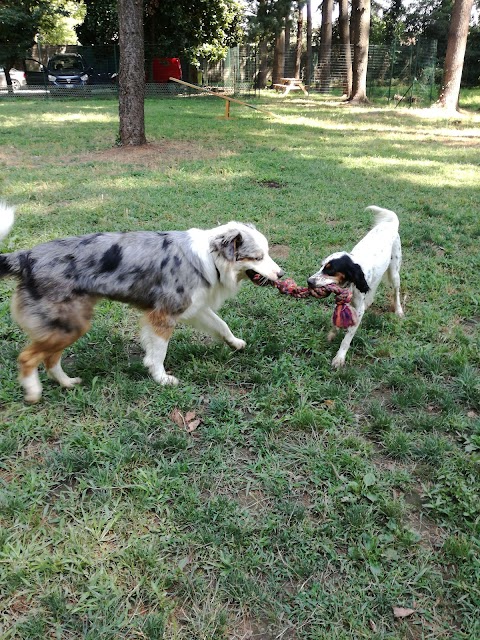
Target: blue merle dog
[(171, 276)]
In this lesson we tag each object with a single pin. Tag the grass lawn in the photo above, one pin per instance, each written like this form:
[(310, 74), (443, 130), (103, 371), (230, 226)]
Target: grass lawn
[(309, 503)]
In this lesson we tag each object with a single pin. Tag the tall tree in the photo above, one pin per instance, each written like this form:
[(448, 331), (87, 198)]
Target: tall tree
[(326, 45), (360, 23), (344, 29), (299, 41), (391, 18), (131, 93), (308, 75), (279, 56), (456, 46), (20, 21)]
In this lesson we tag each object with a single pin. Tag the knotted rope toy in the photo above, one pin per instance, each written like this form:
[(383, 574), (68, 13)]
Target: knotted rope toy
[(344, 315)]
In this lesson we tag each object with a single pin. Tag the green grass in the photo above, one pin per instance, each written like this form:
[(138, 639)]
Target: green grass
[(309, 502)]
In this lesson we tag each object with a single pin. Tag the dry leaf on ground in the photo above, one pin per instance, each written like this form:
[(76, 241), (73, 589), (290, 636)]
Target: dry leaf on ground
[(402, 612)]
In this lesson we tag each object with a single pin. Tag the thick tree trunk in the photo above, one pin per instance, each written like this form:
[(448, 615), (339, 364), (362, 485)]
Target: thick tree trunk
[(456, 45), (344, 28), (298, 44), (308, 73), (263, 65), (132, 73), (279, 58), (361, 36), (326, 45)]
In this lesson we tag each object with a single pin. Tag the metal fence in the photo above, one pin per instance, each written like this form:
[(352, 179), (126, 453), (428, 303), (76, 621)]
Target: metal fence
[(404, 73), (233, 75)]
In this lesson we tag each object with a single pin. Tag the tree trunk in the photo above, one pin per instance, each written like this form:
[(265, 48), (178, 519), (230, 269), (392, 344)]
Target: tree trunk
[(279, 58), (344, 29), (263, 65), (326, 45), (298, 45), (131, 94), (456, 45), (308, 72), (361, 35)]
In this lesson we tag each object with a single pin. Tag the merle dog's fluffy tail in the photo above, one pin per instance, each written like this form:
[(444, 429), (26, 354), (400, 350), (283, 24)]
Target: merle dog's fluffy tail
[(7, 216)]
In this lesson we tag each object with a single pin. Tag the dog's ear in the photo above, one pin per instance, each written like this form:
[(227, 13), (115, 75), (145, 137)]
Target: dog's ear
[(354, 273), (227, 244)]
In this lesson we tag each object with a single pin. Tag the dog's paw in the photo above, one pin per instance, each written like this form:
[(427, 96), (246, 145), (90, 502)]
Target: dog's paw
[(32, 397), (338, 361), (69, 383), (165, 380), (237, 344)]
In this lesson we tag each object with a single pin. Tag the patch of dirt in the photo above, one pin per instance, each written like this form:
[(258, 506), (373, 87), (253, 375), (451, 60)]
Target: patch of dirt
[(470, 325), (460, 141), (247, 629), (156, 154), (271, 184), (279, 251), (153, 155), (11, 157)]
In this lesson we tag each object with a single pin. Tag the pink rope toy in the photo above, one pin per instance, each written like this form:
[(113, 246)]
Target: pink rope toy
[(344, 314)]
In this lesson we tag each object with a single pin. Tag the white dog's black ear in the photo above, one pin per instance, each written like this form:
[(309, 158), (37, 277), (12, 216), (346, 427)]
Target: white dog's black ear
[(354, 273), (227, 244)]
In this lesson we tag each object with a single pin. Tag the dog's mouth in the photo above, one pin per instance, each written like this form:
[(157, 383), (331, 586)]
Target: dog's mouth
[(257, 278)]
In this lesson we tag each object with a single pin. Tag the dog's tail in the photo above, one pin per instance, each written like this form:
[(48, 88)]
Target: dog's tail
[(7, 216), (384, 215)]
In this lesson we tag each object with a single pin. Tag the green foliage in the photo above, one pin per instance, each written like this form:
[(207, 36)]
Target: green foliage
[(194, 29), (62, 30), (267, 18), (20, 21)]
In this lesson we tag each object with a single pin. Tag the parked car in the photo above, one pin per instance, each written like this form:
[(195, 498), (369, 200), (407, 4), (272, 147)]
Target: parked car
[(67, 71), (17, 77)]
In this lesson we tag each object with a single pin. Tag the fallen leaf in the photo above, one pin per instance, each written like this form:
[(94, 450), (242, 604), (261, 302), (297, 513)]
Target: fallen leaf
[(177, 417), (372, 625), (191, 426), (401, 612), (189, 416)]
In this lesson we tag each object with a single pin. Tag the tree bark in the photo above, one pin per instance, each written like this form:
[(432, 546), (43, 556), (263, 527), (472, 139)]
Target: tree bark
[(456, 45), (326, 45), (263, 65), (308, 72), (298, 45), (344, 28), (279, 57), (361, 35), (131, 93)]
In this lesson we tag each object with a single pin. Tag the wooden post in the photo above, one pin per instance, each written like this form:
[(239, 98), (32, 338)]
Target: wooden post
[(227, 108)]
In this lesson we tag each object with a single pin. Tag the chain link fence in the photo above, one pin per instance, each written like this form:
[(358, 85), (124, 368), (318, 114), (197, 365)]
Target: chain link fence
[(400, 72)]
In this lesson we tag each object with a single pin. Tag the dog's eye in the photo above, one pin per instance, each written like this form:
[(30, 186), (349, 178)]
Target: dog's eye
[(259, 259)]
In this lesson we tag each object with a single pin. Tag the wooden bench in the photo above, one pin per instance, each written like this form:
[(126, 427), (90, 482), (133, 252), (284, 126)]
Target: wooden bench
[(290, 84)]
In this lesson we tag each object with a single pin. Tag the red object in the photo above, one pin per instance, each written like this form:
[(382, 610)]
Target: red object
[(165, 68), (344, 315)]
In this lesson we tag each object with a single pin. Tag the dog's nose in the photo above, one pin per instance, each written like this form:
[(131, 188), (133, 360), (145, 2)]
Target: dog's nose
[(311, 282), (280, 273)]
